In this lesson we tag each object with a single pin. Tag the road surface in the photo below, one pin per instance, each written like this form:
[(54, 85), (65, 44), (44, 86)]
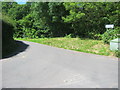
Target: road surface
[(42, 66)]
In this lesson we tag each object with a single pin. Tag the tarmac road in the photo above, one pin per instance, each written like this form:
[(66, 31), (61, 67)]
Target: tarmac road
[(42, 66)]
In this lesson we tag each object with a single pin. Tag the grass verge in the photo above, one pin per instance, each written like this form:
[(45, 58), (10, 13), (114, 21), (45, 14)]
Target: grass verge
[(76, 44)]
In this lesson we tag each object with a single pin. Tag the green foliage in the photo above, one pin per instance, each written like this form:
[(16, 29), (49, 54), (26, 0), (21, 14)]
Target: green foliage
[(69, 36), (19, 11), (94, 36), (87, 18), (8, 20), (7, 5), (110, 34), (62, 19), (8, 26), (47, 16), (117, 53), (77, 44), (8, 43), (29, 33), (58, 19)]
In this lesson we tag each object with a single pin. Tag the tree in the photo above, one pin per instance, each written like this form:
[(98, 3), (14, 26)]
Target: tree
[(56, 19), (88, 18), (7, 5), (49, 15), (20, 11)]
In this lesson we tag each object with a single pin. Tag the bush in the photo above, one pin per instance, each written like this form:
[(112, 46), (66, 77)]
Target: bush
[(29, 33), (8, 42), (94, 36), (69, 36), (110, 34), (117, 53)]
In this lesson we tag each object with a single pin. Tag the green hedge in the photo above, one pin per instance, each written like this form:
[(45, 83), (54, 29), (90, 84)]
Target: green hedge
[(8, 43)]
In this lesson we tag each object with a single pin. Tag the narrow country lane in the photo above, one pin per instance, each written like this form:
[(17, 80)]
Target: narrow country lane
[(42, 66)]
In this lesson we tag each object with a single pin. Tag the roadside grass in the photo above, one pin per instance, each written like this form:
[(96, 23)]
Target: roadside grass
[(76, 44)]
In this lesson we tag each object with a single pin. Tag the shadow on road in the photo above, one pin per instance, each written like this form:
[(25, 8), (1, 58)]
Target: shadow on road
[(21, 47)]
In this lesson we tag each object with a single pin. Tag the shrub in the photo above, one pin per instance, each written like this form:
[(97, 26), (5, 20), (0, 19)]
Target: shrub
[(110, 34), (94, 36), (7, 35), (117, 53), (69, 36), (29, 33)]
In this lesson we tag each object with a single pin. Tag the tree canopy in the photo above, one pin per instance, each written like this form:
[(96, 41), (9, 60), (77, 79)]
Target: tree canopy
[(57, 19)]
